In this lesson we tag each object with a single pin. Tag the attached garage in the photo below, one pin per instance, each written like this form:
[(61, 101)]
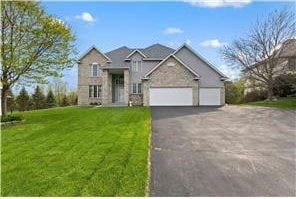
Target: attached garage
[(209, 96), (170, 96)]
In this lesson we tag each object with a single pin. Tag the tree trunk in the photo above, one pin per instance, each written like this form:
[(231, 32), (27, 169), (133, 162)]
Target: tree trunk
[(4, 100), (270, 91)]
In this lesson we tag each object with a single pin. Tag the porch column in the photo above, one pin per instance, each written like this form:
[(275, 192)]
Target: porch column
[(126, 86), (105, 87)]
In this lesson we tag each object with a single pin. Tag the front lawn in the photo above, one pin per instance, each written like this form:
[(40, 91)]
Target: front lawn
[(77, 151), (287, 102)]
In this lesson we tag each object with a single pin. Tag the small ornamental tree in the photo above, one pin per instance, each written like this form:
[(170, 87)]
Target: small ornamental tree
[(22, 100), (38, 98)]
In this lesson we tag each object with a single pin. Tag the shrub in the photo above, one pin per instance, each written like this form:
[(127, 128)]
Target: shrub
[(255, 95), (10, 118)]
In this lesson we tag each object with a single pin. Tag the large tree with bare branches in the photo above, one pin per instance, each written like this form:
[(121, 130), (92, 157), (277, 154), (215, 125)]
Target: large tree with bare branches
[(261, 53), (34, 45)]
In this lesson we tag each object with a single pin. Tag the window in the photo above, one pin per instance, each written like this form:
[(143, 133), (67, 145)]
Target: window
[(134, 88), (90, 90), (94, 70), (139, 66), (95, 91), (99, 90), (137, 88), (136, 66)]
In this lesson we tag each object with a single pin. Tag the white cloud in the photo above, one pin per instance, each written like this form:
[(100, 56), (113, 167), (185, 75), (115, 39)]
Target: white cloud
[(85, 16), (219, 3), (214, 43), (230, 72), (188, 41), (172, 30), (171, 43)]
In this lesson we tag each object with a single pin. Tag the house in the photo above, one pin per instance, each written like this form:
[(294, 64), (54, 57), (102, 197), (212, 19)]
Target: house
[(286, 64), (155, 76)]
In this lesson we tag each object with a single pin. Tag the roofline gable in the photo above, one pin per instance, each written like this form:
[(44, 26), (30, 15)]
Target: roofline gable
[(200, 57), (90, 49), (134, 51), (176, 58)]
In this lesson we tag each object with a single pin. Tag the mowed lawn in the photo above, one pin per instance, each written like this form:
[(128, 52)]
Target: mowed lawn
[(77, 151), (285, 102)]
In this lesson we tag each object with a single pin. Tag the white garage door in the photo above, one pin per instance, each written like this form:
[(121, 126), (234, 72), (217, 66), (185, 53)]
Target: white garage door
[(209, 96), (171, 97)]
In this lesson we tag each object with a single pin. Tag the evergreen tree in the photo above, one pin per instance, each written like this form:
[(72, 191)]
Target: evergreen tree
[(38, 98), (23, 100), (50, 99), (65, 101)]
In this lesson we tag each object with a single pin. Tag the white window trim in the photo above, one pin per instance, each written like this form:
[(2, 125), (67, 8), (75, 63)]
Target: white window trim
[(99, 91), (136, 66), (98, 70), (137, 88)]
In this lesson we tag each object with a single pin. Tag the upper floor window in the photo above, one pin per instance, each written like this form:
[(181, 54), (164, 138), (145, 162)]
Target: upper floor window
[(136, 66), (94, 70)]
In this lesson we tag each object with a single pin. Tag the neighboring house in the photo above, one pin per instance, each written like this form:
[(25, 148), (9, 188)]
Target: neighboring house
[(287, 64), (155, 76)]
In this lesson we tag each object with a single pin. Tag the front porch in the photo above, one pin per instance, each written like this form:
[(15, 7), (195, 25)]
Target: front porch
[(115, 86)]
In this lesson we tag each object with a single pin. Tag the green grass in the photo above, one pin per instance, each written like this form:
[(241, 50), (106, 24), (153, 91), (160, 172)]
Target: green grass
[(288, 103), (77, 151)]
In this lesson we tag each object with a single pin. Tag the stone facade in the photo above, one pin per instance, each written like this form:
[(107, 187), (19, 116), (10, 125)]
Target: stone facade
[(126, 74), (136, 99), (84, 78), (176, 75)]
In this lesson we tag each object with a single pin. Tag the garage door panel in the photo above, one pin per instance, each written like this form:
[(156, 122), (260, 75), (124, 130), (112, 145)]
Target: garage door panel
[(209, 96), (171, 97)]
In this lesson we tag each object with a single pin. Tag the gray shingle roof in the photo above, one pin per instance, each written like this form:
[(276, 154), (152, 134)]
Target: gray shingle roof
[(155, 51)]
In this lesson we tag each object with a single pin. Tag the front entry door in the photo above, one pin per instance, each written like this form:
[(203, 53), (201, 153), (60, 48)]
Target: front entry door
[(117, 88)]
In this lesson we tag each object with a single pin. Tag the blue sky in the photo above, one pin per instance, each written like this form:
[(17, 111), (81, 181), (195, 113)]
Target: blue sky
[(205, 26)]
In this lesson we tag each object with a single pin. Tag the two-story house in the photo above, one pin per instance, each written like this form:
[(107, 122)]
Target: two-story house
[(156, 76)]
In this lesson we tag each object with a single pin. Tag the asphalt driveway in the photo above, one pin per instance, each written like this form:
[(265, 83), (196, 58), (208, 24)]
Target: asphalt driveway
[(228, 151)]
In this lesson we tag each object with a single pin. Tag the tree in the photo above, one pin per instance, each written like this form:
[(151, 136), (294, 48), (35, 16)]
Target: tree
[(234, 91), (72, 97), (259, 53), (34, 45), (65, 101), (50, 100), (285, 85), (60, 90), (11, 104), (38, 98), (22, 100)]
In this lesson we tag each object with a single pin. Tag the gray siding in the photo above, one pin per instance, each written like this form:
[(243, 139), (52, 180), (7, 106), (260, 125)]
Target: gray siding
[(209, 77), (146, 67)]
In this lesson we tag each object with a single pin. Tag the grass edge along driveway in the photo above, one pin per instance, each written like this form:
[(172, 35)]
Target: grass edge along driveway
[(285, 102), (77, 151)]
